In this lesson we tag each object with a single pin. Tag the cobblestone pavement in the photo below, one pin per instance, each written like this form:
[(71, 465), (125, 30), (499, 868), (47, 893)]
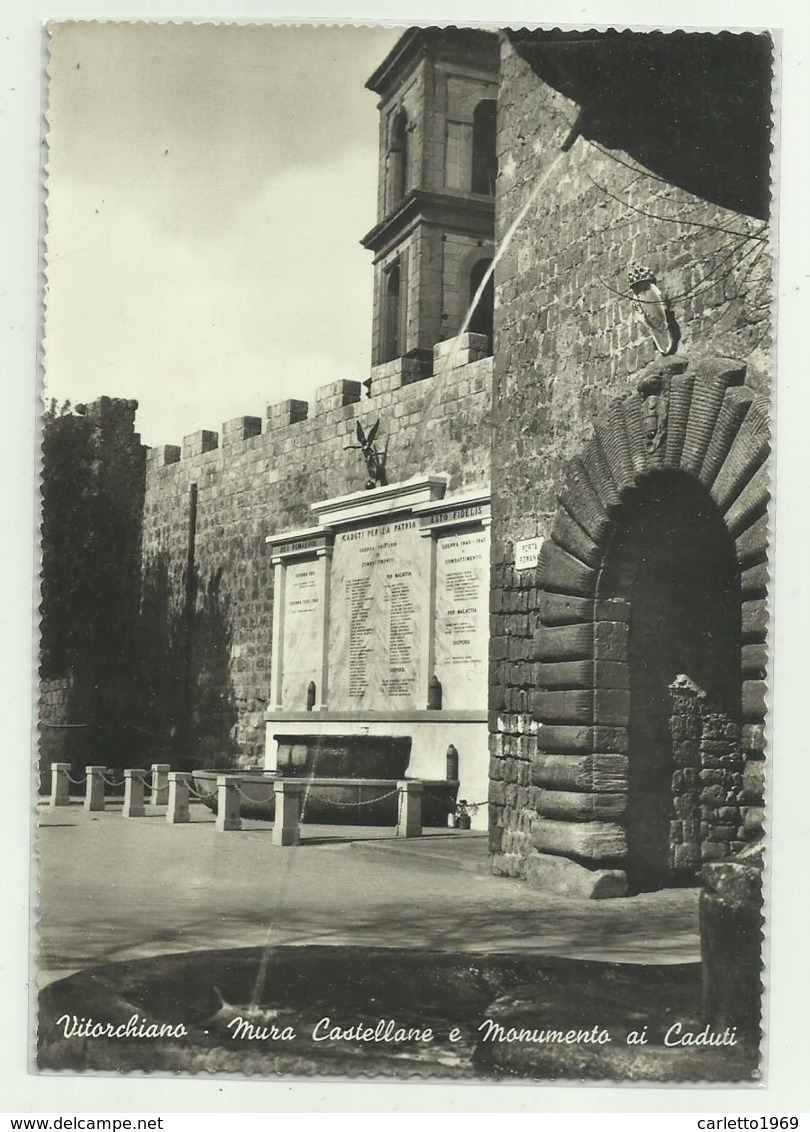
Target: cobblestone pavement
[(112, 889)]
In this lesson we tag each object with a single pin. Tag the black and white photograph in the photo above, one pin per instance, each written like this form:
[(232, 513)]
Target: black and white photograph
[(406, 545)]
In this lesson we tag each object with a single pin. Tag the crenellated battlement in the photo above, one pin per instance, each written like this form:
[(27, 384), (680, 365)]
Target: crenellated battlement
[(341, 403)]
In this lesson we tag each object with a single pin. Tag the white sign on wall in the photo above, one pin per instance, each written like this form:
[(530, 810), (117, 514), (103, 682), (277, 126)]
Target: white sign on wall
[(527, 553)]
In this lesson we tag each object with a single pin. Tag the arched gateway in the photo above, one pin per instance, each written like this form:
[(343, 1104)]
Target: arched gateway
[(650, 643)]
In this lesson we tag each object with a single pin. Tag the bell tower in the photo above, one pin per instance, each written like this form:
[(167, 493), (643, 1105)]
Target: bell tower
[(434, 236)]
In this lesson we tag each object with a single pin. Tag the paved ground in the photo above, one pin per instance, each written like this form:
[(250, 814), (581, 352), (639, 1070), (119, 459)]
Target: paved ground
[(114, 889)]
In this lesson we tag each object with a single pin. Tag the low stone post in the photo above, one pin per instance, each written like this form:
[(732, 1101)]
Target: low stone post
[(60, 786), (409, 821), (178, 810), (286, 824), (229, 802), (160, 784), (94, 791), (133, 793)]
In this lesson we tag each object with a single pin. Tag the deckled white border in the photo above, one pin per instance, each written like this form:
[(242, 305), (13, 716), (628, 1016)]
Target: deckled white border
[(789, 930)]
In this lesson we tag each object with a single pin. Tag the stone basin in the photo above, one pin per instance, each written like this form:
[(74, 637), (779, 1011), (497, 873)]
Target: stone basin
[(332, 801)]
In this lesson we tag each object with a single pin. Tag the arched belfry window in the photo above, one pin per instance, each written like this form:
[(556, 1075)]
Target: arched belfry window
[(392, 314), (484, 154), (483, 317), (398, 164)]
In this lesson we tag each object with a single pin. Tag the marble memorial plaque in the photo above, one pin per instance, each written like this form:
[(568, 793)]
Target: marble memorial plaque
[(461, 628), (303, 629), (377, 642)]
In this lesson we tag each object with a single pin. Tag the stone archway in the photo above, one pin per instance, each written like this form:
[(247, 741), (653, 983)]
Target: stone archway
[(688, 422)]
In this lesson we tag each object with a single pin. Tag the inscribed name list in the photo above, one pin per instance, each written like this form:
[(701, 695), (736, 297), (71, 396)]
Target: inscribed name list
[(377, 640), (303, 628), (461, 631)]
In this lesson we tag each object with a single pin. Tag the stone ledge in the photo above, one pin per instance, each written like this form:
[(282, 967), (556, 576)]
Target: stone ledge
[(564, 877)]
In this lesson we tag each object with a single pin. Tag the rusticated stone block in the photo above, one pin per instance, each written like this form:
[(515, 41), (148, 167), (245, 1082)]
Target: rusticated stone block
[(611, 706), (707, 397), (564, 877), (753, 780), (753, 699), (593, 841), (680, 398), (570, 805), (611, 609), (754, 661), (610, 640), (611, 435), (754, 581), (755, 619), (635, 434), (598, 772), (732, 413), (497, 792), (581, 501), (748, 452), (564, 642), (569, 706), (563, 573), (752, 544), (750, 503), (568, 534), (563, 609), (577, 739), (599, 474), (566, 674)]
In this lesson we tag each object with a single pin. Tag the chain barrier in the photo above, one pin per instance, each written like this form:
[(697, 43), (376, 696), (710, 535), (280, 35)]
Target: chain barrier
[(350, 805), (197, 794), (452, 806), (110, 781), (247, 797), (75, 781)]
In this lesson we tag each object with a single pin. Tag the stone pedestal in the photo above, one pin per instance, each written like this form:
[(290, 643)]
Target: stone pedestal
[(229, 803), (133, 793), (178, 811), (409, 823), (160, 784), (60, 787), (731, 925), (94, 791), (286, 827)]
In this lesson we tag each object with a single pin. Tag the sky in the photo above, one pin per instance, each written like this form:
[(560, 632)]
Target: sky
[(207, 188)]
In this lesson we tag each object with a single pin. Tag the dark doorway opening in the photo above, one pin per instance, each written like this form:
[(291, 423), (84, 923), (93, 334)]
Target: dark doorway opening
[(673, 560)]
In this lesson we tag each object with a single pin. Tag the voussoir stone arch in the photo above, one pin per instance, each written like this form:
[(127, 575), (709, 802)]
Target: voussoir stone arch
[(695, 418)]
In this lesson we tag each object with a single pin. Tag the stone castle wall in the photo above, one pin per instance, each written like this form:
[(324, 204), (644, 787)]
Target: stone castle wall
[(259, 478), (566, 346)]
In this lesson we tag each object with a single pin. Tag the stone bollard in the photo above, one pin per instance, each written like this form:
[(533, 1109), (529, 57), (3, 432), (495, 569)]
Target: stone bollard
[(286, 824), (409, 822), (94, 791), (60, 786), (160, 784), (229, 802), (133, 794), (178, 810)]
